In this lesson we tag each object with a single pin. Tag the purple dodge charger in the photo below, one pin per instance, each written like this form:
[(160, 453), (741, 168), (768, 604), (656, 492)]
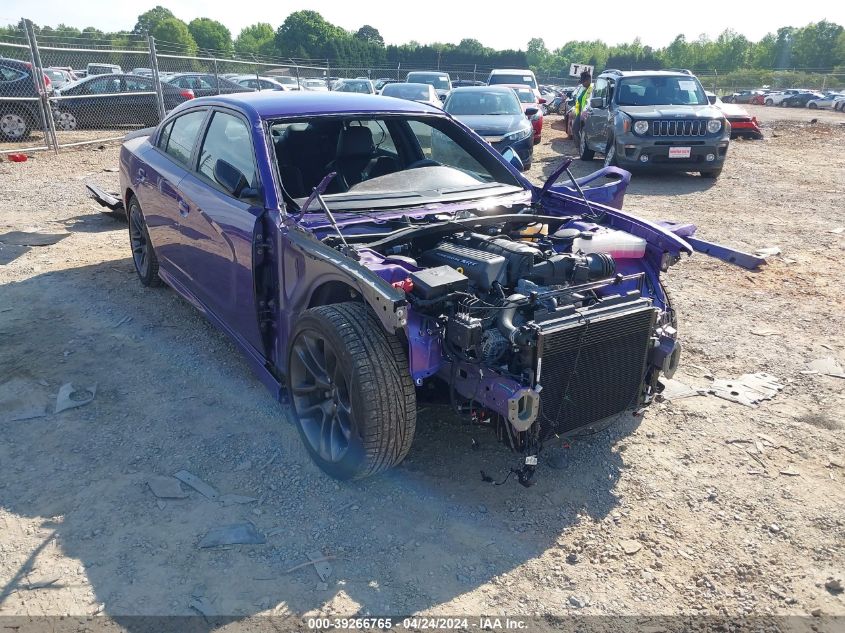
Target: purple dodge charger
[(358, 247)]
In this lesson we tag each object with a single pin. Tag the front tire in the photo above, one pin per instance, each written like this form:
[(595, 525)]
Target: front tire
[(813, 106), (713, 173), (351, 391), (769, 102), (585, 153), (143, 253), (65, 121)]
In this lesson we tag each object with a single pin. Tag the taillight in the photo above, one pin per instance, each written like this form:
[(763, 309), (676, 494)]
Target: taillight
[(47, 81), (187, 93)]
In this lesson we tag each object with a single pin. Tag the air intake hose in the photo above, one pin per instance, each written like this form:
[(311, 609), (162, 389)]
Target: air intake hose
[(505, 320), (560, 269)]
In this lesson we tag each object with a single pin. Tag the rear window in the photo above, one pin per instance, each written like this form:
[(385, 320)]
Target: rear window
[(525, 95), (406, 91), (521, 78), (440, 82), (10, 74)]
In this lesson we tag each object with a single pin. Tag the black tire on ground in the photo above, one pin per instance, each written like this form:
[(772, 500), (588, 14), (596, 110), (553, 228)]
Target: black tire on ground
[(352, 395), (769, 102), (713, 173), (584, 153), (812, 106), (143, 254)]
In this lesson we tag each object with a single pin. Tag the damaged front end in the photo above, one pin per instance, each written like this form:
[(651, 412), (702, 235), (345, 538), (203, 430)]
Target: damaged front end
[(537, 324)]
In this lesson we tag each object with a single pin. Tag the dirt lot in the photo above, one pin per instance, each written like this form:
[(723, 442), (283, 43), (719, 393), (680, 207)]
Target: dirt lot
[(700, 506)]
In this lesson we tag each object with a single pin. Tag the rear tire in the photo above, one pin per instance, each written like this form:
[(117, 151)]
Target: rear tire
[(584, 152), (813, 106), (769, 102), (143, 253), (352, 395)]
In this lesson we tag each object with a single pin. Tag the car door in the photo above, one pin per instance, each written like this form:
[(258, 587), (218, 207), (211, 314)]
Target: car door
[(595, 123), (156, 183), (140, 100), (216, 226)]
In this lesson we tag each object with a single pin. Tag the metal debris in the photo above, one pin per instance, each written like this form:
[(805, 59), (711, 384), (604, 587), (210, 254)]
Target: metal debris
[(321, 565), (770, 251), (748, 389), (231, 500), (829, 366), (166, 487), (69, 397), (677, 390), (202, 605), (197, 484), (26, 238), (235, 534)]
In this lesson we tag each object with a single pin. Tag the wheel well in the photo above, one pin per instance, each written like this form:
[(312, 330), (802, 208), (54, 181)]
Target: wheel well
[(19, 108), (128, 198), (333, 292)]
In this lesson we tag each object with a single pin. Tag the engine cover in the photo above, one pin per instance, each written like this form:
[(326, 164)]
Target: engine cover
[(481, 267)]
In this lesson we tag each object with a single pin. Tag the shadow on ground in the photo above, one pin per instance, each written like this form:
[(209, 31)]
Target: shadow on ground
[(173, 394)]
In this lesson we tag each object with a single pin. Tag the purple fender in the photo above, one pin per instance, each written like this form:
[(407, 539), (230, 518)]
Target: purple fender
[(611, 193)]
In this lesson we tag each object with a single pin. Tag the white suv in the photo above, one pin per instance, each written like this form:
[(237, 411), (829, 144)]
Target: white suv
[(514, 76), (775, 98)]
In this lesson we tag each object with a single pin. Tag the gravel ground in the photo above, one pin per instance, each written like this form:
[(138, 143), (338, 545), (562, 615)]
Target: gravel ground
[(700, 506)]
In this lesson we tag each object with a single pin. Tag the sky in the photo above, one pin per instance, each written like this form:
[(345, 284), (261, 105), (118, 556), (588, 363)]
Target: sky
[(495, 24)]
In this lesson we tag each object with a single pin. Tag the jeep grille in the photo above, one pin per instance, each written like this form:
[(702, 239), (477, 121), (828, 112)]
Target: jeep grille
[(679, 127)]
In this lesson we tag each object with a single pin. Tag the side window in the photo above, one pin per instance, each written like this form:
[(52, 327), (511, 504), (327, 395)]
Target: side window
[(8, 74), (133, 84), (600, 89), (178, 137), (104, 86), (381, 135), (228, 139)]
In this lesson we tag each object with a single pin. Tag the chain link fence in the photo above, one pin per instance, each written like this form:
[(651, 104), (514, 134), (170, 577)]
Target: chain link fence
[(91, 94)]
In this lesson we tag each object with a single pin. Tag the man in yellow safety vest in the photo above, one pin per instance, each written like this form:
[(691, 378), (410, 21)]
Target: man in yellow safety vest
[(582, 100)]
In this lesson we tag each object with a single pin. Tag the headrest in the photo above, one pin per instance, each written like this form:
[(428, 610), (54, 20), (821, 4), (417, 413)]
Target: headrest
[(356, 140)]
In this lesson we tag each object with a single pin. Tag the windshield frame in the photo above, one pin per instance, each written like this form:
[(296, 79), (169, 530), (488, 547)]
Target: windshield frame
[(504, 183)]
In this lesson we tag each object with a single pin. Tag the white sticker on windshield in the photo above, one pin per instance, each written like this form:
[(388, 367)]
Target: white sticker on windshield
[(526, 79), (686, 84)]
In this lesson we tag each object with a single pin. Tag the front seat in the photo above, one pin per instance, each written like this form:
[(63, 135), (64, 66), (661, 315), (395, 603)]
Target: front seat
[(356, 159)]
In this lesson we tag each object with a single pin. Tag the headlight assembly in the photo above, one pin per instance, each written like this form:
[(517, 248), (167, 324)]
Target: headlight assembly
[(519, 134), (714, 125), (641, 127)]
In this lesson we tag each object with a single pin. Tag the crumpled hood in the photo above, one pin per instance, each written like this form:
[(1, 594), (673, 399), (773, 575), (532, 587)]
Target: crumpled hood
[(493, 124), (672, 112)]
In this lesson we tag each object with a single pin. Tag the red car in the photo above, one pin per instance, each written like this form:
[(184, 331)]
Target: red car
[(742, 123), (529, 99)]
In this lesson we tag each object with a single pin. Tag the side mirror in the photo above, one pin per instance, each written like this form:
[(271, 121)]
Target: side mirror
[(597, 102), (529, 112), (712, 99), (513, 158), (442, 97), (230, 177)]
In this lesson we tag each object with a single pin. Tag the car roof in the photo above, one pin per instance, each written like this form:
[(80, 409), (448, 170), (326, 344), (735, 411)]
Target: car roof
[(271, 104), (8, 61), (645, 73), (439, 73), (507, 71), (496, 88)]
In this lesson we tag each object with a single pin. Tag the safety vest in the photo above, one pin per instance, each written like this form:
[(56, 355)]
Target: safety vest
[(582, 98)]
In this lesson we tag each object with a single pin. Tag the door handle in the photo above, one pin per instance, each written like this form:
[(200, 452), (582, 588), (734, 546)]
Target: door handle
[(184, 208), (142, 175)]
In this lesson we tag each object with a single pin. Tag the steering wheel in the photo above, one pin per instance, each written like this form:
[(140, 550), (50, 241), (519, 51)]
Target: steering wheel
[(424, 162)]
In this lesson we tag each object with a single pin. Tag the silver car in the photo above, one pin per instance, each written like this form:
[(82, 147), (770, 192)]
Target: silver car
[(423, 93)]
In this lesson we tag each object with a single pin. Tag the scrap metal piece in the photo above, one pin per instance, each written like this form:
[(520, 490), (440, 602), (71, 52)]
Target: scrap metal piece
[(235, 534), (166, 487), (726, 253), (828, 366), (197, 484), (69, 397), (110, 201), (321, 565), (677, 390), (748, 389)]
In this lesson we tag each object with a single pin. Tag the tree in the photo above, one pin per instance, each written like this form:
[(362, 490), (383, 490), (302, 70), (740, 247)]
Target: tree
[(152, 18), (173, 33), (370, 34), (211, 35), (538, 54), (306, 34), (257, 39), (815, 45)]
